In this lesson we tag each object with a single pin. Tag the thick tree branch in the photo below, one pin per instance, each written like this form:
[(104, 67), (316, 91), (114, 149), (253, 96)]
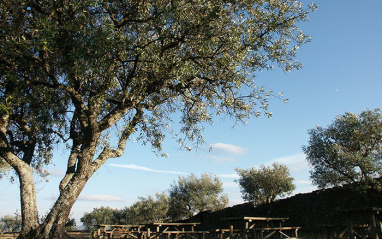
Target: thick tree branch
[(114, 153)]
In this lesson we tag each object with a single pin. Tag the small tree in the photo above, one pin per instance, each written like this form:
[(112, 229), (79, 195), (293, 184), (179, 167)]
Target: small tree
[(148, 210), (10, 223), (102, 215), (191, 195), (349, 150), (265, 184), (70, 224)]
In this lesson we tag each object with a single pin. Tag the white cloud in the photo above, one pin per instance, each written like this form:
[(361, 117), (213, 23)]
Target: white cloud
[(228, 175), (222, 160), (230, 185), (107, 198), (304, 182), (294, 162), (57, 172), (136, 167), (227, 148)]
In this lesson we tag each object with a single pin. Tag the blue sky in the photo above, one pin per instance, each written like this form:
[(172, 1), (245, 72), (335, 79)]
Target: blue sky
[(342, 72)]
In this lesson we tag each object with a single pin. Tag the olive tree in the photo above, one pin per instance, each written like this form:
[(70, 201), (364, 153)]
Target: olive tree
[(10, 223), (191, 195), (148, 210), (102, 215), (73, 72), (349, 150), (265, 184)]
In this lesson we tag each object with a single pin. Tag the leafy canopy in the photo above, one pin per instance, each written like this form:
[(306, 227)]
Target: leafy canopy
[(98, 63), (348, 150), (191, 195), (102, 215), (74, 71), (10, 223), (265, 184), (148, 210)]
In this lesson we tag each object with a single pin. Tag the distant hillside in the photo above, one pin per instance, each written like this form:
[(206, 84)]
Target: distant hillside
[(308, 210)]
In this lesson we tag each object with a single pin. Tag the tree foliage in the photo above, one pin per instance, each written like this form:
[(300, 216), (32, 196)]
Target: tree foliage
[(144, 211), (265, 184), (348, 150), (149, 210), (102, 215), (70, 224), (74, 71), (10, 223), (191, 195)]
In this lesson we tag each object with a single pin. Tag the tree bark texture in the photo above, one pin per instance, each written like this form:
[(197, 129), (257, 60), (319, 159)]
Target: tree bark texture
[(29, 210), (24, 172), (54, 224)]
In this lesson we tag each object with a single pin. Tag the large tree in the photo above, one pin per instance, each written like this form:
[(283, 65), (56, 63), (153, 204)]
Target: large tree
[(73, 71), (349, 150), (265, 184), (191, 195)]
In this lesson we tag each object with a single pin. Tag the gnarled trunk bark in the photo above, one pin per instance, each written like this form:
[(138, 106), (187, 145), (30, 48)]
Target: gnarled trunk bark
[(54, 224), (29, 210), (24, 171)]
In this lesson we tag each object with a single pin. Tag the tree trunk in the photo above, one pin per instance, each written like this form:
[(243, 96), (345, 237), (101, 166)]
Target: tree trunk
[(29, 212), (28, 200), (54, 224)]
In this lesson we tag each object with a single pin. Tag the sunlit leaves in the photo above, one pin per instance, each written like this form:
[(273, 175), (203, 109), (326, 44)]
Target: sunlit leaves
[(147, 210), (265, 184), (102, 215), (191, 195), (348, 150), (72, 70)]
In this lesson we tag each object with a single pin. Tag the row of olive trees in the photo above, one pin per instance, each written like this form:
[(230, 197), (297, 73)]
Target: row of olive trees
[(348, 151), (191, 195)]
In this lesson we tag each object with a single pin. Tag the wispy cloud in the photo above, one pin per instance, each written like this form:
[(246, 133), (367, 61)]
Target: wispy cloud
[(57, 172), (106, 198), (136, 167), (227, 148), (294, 162), (230, 185), (222, 159), (304, 182), (228, 175)]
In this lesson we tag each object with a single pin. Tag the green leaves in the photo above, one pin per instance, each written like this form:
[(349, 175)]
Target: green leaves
[(347, 151), (80, 68), (191, 195), (112, 57), (147, 210), (265, 184)]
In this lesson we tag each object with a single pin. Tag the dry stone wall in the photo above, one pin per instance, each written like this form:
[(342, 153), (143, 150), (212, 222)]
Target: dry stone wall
[(309, 210)]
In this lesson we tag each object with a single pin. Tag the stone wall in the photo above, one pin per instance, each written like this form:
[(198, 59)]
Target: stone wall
[(309, 210)]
